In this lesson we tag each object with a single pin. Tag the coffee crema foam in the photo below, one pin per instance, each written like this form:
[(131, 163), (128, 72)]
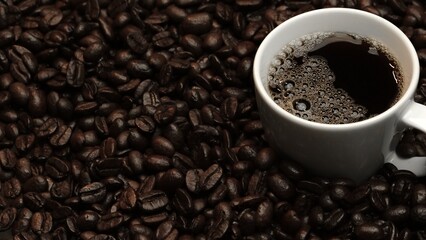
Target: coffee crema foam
[(303, 84)]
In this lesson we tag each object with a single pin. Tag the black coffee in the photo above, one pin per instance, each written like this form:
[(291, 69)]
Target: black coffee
[(335, 78)]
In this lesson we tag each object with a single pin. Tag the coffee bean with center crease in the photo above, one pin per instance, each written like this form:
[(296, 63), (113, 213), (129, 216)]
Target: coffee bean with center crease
[(61, 136), (24, 63), (12, 188), (7, 217), (137, 42), (153, 201), (75, 73), (92, 193), (8, 158), (41, 222), (128, 199), (109, 221)]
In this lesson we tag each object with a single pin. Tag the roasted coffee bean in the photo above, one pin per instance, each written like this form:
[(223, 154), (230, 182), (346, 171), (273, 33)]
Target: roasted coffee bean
[(87, 220), (41, 222), (378, 201), (419, 194), (109, 221), (152, 201), (222, 215), (24, 64), (170, 180), (166, 230), (418, 214), (75, 73), (156, 162), (210, 177), (37, 105), (19, 93), (193, 180), (290, 221), (397, 213), (336, 217), (11, 188), (56, 168), (8, 159), (92, 193), (264, 214), (137, 42), (162, 146), (7, 217), (147, 184), (61, 190), (197, 23), (281, 186), (61, 136), (369, 231)]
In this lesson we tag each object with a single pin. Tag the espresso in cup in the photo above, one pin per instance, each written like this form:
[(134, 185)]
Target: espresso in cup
[(335, 78)]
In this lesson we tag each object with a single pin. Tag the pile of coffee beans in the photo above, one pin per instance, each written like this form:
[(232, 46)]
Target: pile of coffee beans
[(136, 119)]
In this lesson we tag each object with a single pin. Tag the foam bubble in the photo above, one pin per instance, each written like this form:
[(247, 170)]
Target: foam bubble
[(300, 75)]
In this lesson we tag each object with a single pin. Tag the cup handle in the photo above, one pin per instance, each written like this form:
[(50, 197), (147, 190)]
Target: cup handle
[(415, 117)]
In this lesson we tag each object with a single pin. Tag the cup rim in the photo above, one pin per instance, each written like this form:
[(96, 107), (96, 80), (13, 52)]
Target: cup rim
[(407, 95)]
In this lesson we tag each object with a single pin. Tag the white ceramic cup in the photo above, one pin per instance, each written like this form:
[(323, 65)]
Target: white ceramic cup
[(354, 150)]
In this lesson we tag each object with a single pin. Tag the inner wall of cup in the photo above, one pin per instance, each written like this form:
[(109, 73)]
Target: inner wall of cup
[(344, 20)]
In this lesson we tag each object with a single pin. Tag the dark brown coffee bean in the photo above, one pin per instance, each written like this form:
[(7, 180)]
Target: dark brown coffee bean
[(51, 15), (7, 217), (19, 93), (56, 168), (11, 188), (61, 136), (92, 193), (41, 222), (24, 64), (183, 202), (369, 231), (193, 180), (290, 221), (137, 42), (335, 218), (378, 201), (196, 23), (156, 162), (166, 230), (87, 220), (34, 201), (397, 213), (36, 102), (264, 214), (418, 214), (24, 142), (211, 177), (92, 9), (281, 186), (419, 194), (75, 73), (222, 220), (35, 184), (7, 159), (152, 201), (109, 221), (48, 127), (23, 168), (192, 43)]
